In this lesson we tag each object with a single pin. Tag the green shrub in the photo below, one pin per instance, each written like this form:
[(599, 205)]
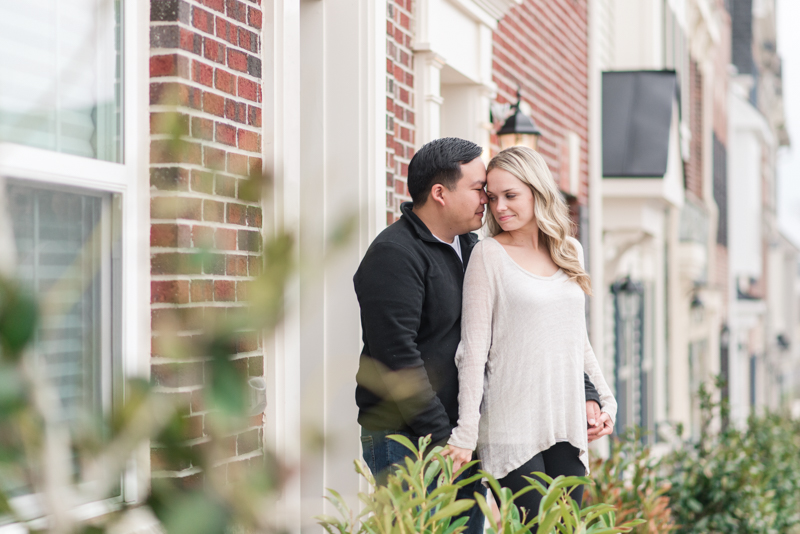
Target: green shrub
[(737, 481), (629, 480), (405, 505)]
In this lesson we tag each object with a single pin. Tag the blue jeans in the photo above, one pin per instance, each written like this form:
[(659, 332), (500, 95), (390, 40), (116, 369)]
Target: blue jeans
[(380, 453)]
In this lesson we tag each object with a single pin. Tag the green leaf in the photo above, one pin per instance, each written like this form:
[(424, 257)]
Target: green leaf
[(338, 502), (195, 513), (227, 390), (547, 520), (456, 525), (404, 441), (550, 499), (454, 509), (19, 316), (536, 484), (487, 511), (431, 472), (12, 390)]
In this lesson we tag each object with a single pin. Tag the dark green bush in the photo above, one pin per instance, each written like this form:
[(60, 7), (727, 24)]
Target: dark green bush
[(736, 480)]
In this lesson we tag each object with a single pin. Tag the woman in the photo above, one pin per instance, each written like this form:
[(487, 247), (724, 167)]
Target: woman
[(524, 346)]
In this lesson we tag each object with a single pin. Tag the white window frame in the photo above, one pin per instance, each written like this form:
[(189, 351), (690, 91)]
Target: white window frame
[(129, 180)]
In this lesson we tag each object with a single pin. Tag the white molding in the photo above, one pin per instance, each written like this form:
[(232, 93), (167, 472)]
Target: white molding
[(488, 11), (595, 201), (325, 146), (428, 70), (29, 163), (457, 34), (282, 157), (136, 221)]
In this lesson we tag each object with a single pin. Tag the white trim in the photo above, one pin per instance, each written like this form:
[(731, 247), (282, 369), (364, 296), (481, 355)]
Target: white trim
[(31, 511), (427, 72), (595, 201), (498, 8), (282, 157), (136, 220), (29, 163), (487, 12)]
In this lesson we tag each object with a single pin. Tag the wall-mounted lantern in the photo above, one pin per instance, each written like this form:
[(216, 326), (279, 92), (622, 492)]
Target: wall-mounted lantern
[(519, 129)]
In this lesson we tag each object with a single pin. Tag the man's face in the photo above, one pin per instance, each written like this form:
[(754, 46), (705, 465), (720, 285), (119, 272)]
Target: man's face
[(465, 204)]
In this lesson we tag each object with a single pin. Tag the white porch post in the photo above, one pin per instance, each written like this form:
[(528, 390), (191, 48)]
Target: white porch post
[(429, 95)]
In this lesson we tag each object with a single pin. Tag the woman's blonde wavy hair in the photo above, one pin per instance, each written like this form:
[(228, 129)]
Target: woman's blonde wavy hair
[(552, 213)]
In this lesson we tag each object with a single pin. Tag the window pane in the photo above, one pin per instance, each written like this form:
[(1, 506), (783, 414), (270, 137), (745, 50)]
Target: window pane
[(63, 254), (60, 76), (59, 254)]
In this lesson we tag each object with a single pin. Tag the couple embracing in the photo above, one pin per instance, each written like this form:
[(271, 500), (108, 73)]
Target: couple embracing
[(482, 345)]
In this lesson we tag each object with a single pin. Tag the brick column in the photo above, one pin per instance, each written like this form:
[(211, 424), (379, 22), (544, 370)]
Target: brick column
[(205, 65), (400, 120), (693, 169)]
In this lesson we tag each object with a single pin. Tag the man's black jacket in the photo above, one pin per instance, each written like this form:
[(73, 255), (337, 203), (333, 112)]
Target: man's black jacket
[(409, 289)]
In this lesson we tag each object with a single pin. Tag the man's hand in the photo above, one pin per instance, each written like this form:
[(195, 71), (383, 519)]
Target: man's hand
[(460, 456), (599, 423)]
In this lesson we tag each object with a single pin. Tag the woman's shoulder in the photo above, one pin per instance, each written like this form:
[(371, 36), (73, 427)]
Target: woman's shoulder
[(486, 247), (578, 248), (486, 252)]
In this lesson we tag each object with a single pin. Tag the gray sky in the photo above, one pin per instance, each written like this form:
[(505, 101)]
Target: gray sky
[(788, 12)]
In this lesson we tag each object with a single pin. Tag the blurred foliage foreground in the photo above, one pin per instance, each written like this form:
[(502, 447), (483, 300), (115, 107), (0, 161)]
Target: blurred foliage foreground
[(50, 469)]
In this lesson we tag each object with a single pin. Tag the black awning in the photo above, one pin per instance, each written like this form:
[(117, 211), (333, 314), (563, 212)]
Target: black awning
[(637, 116)]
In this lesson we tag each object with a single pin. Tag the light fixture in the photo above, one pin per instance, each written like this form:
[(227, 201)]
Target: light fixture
[(519, 129)]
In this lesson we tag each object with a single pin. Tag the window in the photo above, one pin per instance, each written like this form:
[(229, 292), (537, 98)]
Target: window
[(60, 71), (63, 240), (72, 211), (631, 380), (63, 253)]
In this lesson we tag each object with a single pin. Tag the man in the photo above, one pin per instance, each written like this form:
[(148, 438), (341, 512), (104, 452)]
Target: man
[(409, 289)]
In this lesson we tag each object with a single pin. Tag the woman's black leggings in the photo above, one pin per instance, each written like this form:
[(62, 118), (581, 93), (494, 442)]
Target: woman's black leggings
[(560, 459)]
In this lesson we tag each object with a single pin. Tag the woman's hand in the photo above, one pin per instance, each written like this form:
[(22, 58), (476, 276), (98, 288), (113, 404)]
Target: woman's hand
[(600, 423), (460, 456)]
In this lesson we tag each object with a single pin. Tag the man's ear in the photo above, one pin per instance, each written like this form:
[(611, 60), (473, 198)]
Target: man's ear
[(437, 193)]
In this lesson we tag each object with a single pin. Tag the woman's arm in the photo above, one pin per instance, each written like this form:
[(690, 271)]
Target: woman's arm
[(473, 351), (592, 368)]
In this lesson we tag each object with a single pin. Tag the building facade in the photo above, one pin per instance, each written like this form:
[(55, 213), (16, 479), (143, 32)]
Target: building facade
[(666, 160), (758, 359)]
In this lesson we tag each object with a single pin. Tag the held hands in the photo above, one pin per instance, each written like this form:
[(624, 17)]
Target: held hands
[(460, 456), (599, 423)]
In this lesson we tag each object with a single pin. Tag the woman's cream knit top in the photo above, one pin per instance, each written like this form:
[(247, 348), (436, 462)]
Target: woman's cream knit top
[(523, 352)]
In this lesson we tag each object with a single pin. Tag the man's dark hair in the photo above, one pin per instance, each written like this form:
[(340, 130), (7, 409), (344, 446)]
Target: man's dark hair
[(439, 162)]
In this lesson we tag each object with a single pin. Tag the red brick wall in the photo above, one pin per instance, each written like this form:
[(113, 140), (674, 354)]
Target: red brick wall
[(542, 46), (400, 120), (694, 167), (204, 64)]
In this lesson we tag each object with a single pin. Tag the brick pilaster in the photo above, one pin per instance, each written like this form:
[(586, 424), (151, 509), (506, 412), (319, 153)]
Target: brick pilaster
[(400, 120), (694, 167), (205, 72)]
